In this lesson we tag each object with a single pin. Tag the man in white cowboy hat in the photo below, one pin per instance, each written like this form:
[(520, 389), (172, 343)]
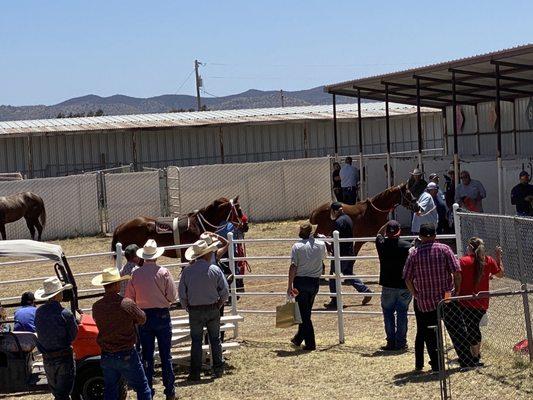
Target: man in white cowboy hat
[(116, 318), (56, 329), (203, 290), (416, 183), (153, 289)]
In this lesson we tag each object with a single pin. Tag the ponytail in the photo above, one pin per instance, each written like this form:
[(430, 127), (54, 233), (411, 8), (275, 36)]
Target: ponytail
[(477, 246)]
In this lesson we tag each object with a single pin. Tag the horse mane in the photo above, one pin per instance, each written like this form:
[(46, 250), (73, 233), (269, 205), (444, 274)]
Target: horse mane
[(385, 193), (209, 209)]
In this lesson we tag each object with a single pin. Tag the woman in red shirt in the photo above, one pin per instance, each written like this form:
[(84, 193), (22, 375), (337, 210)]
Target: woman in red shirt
[(477, 269)]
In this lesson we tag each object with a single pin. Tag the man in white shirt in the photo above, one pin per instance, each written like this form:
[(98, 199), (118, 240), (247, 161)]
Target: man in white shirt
[(349, 181), (304, 279), (428, 210)]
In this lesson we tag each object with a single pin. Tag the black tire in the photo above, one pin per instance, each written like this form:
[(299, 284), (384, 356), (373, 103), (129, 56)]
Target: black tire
[(90, 384)]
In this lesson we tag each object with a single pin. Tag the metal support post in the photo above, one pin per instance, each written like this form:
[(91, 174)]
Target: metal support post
[(499, 141), (419, 126), (118, 258), (455, 144), (335, 137), (163, 193), (361, 159), (457, 226), (233, 294), (525, 294), (338, 285), (387, 126)]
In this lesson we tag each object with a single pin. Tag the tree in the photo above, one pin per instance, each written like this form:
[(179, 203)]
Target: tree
[(99, 113)]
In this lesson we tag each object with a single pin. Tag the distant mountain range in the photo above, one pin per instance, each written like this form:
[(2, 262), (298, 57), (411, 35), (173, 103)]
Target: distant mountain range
[(122, 105)]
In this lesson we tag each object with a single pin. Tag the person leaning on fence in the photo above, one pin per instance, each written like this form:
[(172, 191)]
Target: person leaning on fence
[(132, 263), (344, 225), (349, 175), (428, 210), (304, 280), (25, 315), (395, 297), (116, 318), (56, 329), (522, 196), (153, 289), (431, 273), (470, 193), (203, 290), (477, 269)]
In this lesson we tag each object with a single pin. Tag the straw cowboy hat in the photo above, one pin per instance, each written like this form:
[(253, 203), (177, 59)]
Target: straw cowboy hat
[(108, 276), (51, 287), (198, 249), (209, 239), (150, 251), (416, 172)]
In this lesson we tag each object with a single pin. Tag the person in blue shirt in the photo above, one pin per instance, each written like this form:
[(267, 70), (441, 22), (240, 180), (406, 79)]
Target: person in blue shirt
[(25, 315)]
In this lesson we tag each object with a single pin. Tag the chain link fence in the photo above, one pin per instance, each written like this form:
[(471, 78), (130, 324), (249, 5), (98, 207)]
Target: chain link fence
[(273, 190), (486, 341)]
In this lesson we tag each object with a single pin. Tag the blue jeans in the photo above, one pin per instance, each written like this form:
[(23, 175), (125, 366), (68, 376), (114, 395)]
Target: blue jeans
[(158, 326), (307, 290), (347, 269), (124, 364), (349, 194), (395, 303), (199, 318), (60, 374)]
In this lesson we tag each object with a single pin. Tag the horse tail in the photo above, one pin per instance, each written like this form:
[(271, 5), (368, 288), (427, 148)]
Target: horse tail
[(42, 216), (114, 242)]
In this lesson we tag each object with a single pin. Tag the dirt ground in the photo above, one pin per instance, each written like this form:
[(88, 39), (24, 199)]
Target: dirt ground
[(266, 366)]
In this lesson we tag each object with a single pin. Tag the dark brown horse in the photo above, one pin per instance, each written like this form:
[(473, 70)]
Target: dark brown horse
[(210, 218), (27, 205), (368, 216)]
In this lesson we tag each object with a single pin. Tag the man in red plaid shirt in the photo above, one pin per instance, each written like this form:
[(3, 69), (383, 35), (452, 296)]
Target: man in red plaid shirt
[(432, 273)]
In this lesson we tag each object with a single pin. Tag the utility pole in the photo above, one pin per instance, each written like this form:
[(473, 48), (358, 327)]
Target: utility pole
[(282, 98), (198, 84)]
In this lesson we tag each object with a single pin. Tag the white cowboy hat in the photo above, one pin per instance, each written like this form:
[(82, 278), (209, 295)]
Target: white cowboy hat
[(209, 239), (199, 249), (51, 287), (416, 171), (109, 275), (150, 251)]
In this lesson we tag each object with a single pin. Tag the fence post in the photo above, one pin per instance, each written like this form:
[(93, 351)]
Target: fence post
[(338, 285), (102, 200), (441, 353), (231, 262), (525, 294), (118, 253), (163, 193), (457, 227)]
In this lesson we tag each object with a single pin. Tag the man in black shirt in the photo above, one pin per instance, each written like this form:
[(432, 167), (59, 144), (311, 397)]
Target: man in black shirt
[(522, 196), (344, 224), (395, 297)]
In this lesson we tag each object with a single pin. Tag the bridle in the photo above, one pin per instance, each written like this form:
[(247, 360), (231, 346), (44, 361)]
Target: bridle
[(233, 210), (404, 201)]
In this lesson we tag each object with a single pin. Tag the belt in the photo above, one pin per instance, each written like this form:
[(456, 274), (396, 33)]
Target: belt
[(204, 307), (57, 354)]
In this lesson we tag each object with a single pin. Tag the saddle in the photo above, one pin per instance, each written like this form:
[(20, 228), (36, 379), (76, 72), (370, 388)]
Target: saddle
[(171, 225)]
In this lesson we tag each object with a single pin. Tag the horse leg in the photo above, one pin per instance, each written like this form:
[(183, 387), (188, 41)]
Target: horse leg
[(39, 227), (29, 224), (3, 230)]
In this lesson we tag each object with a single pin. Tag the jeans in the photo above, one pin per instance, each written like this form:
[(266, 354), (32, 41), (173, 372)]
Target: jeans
[(419, 338), (307, 289), (158, 326), (199, 318), (425, 321), (457, 329), (349, 195), (347, 269), (127, 365), (60, 373), (472, 317), (395, 303)]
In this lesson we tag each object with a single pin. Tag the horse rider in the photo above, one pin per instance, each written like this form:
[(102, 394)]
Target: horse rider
[(344, 225)]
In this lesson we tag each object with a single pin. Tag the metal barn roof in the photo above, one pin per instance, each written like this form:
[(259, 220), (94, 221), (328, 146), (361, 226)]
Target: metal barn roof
[(197, 119), (475, 80)]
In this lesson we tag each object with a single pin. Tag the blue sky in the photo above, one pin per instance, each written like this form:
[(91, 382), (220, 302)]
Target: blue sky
[(54, 50)]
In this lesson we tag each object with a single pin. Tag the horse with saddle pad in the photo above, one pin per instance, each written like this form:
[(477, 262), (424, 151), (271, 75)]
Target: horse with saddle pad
[(25, 205), (367, 216), (185, 229)]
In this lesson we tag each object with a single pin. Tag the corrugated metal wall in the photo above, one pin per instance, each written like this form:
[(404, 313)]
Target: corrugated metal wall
[(57, 155)]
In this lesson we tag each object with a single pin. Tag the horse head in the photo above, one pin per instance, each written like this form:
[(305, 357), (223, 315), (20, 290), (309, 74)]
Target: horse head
[(224, 210), (407, 199)]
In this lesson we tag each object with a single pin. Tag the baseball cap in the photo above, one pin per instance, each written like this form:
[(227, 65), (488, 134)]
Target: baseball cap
[(336, 205), (427, 230), (244, 218), (432, 185), (433, 176), (393, 228), (523, 173)]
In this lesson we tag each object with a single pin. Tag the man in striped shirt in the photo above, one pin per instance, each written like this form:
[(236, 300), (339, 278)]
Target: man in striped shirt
[(432, 273)]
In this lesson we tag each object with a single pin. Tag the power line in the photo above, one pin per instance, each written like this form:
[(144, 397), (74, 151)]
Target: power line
[(185, 81), (210, 94)]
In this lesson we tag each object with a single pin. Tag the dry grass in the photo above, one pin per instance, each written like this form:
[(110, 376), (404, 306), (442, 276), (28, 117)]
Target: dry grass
[(267, 367)]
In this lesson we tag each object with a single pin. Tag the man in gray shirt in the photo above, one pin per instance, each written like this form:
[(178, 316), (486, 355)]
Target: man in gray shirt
[(470, 193), (203, 290), (304, 278)]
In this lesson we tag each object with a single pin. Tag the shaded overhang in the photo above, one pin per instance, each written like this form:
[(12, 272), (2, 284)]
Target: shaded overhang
[(467, 81)]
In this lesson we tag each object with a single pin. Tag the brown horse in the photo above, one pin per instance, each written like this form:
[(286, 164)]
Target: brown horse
[(368, 216), (27, 205), (211, 218)]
